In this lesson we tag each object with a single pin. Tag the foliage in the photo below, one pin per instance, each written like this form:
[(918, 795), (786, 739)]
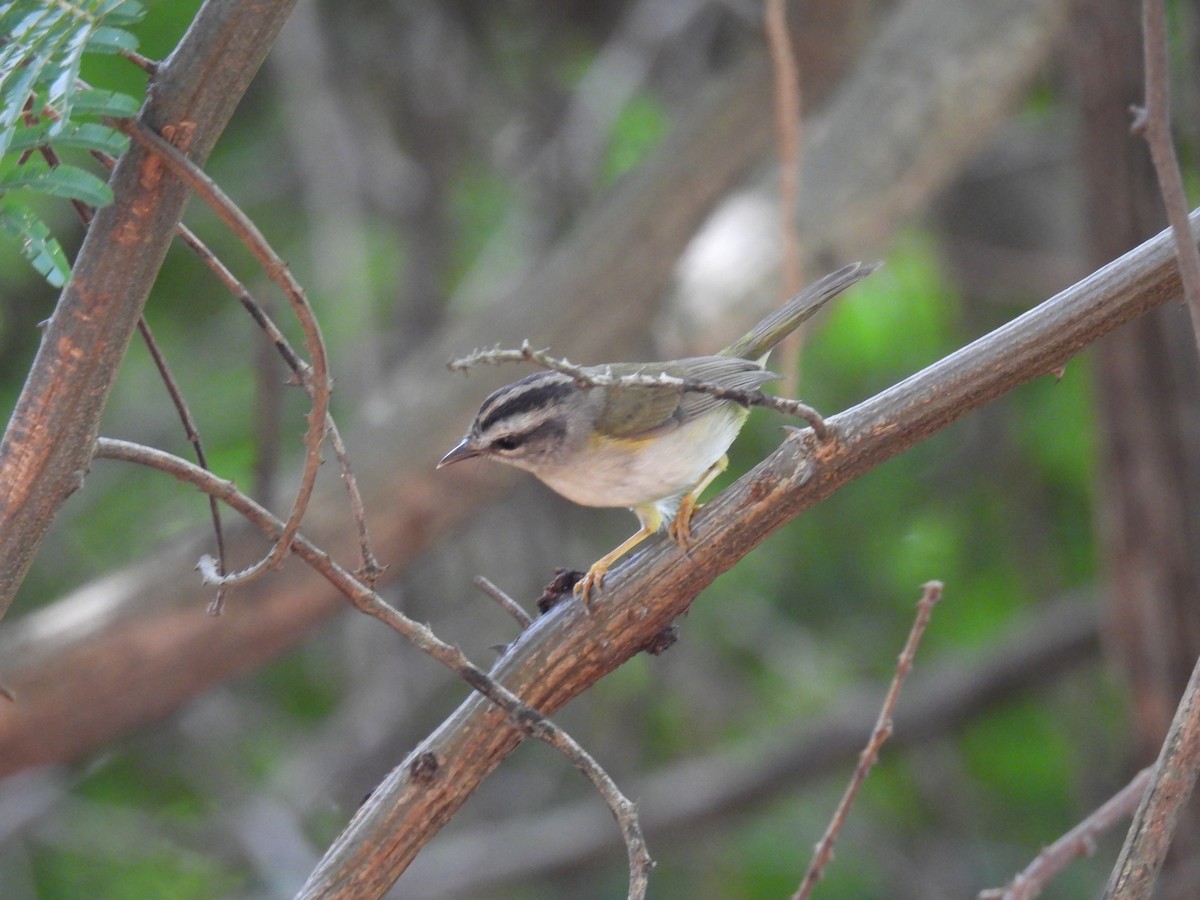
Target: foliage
[(999, 507), (42, 103)]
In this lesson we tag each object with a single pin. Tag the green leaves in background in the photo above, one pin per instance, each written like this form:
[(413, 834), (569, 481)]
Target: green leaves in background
[(43, 47), (41, 97)]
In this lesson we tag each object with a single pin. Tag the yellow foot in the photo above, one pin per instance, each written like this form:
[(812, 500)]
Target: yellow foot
[(680, 529), (593, 579)]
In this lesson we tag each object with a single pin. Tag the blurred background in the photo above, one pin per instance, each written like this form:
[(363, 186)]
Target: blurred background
[(603, 178)]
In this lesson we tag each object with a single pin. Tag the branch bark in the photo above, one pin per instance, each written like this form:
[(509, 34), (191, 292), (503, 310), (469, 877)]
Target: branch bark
[(702, 793), (48, 443), (569, 649)]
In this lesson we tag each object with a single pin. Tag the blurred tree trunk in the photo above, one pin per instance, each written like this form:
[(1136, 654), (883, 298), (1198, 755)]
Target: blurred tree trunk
[(1148, 393)]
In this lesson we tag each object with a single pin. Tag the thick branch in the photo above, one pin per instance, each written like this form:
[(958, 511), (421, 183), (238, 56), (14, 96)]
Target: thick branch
[(139, 627), (1170, 788), (48, 441), (703, 792), (569, 649)]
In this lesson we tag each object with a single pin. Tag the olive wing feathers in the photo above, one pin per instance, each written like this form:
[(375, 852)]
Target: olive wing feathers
[(634, 411)]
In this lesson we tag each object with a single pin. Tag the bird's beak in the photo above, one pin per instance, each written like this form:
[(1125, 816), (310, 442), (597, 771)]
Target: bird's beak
[(464, 450)]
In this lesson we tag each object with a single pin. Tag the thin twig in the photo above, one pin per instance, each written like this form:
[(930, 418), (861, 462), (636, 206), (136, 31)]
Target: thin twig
[(1153, 122), (1174, 778), (883, 730), (1079, 841), (315, 375), (600, 376), (507, 603), (787, 127), (366, 600), (370, 568), (192, 432), (190, 428), (145, 63)]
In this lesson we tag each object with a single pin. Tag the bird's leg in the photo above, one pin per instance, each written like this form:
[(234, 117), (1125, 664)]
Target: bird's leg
[(595, 575), (680, 528)]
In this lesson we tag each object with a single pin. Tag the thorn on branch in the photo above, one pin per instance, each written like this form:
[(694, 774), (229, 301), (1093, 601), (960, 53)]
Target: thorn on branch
[(424, 768), (1141, 117), (560, 589), (600, 376), (661, 642)]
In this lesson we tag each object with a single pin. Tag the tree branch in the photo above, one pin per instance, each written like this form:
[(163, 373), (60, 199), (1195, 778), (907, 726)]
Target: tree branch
[(568, 649), (685, 797), (48, 441), (426, 767), (138, 627)]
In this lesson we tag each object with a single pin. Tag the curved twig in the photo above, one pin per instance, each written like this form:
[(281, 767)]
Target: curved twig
[(314, 374), (366, 600)]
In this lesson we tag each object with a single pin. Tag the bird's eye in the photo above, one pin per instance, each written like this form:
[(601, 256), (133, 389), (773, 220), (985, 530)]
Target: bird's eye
[(508, 442)]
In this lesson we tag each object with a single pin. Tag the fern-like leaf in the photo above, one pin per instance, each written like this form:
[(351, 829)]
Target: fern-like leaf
[(43, 46), (37, 244), (64, 181), (86, 136)]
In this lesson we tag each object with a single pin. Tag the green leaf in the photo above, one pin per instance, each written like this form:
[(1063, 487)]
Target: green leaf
[(85, 136), (37, 244), (66, 181), (111, 40), (122, 12), (98, 102), (44, 47)]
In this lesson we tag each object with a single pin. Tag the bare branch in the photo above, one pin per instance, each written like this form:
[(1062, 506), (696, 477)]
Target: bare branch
[(644, 595), (1153, 122), (882, 731), (190, 429), (520, 714), (507, 603), (317, 377), (1170, 788), (788, 123), (48, 441), (1079, 841), (699, 793)]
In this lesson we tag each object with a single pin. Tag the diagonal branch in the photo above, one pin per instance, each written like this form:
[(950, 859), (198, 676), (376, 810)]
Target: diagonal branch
[(569, 649), (424, 768)]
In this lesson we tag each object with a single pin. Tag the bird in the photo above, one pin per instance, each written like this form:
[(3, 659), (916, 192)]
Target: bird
[(651, 447)]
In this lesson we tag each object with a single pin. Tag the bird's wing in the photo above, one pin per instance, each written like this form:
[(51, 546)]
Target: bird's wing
[(634, 411)]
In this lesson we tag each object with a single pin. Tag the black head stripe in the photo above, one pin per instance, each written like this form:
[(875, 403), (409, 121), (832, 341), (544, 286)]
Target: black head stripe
[(530, 393)]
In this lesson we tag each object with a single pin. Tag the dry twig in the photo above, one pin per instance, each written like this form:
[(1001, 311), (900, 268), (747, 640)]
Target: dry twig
[(883, 730), (1171, 783), (190, 428), (1152, 122), (315, 374), (1174, 775), (788, 138), (366, 600), (507, 603), (1079, 841), (599, 376)]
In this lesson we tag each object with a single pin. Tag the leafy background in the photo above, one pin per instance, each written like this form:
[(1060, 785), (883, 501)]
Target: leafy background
[(239, 793)]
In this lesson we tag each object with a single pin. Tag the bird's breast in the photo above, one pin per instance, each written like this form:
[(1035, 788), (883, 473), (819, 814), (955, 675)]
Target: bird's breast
[(639, 471)]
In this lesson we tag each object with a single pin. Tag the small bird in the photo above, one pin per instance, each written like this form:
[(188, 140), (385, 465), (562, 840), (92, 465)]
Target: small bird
[(652, 448)]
